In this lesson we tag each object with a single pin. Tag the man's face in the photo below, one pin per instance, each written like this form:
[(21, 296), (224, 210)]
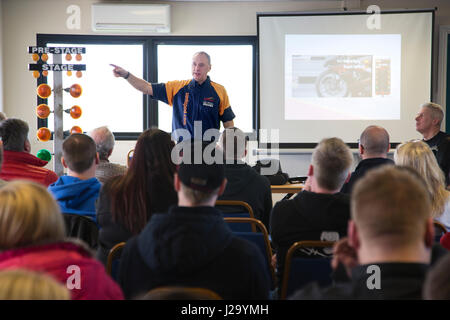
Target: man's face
[(200, 68), (424, 121)]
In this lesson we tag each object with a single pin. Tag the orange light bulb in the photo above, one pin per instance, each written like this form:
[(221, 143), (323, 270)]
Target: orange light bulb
[(44, 91), (43, 111), (75, 129), (75, 112), (75, 90), (44, 134)]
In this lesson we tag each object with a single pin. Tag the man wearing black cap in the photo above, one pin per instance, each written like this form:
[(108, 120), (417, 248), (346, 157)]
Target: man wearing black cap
[(191, 245)]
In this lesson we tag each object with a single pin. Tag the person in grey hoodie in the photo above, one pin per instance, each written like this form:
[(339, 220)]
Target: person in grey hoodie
[(244, 183)]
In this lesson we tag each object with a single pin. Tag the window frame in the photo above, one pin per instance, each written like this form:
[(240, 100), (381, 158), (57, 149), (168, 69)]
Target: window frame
[(150, 65)]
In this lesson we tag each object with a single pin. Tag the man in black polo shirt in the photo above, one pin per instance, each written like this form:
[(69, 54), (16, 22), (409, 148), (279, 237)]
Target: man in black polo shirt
[(428, 123), (373, 148), (388, 249)]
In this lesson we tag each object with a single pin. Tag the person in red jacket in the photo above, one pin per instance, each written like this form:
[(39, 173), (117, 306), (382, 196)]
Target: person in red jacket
[(32, 237), (18, 162)]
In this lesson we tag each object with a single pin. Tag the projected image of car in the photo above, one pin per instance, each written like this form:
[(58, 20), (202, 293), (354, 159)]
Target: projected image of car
[(333, 76)]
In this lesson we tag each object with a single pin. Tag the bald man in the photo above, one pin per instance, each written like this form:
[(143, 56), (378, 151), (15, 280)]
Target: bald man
[(198, 99), (373, 148), (428, 124)]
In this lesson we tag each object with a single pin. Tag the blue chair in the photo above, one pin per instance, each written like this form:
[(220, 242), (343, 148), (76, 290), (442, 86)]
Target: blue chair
[(112, 263), (237, 209), (261, 239), (299, 271)]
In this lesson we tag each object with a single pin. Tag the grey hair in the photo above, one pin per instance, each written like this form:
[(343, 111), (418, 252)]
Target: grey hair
[(104, 141)]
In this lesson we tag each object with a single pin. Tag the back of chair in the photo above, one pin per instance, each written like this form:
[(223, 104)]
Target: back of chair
[(299, 271), (261, 239), (439, 230), (81, 227), (112, 263), (237, 209)]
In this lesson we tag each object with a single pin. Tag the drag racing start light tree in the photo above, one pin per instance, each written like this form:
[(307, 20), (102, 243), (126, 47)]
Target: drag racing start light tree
[(42, 68)]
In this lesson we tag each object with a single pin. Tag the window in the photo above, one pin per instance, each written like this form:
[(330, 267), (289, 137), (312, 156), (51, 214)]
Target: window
[(105, 100), (231, 66), (111, 101)]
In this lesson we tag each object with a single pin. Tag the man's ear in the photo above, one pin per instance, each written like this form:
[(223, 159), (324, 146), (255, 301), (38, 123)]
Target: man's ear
[(97, 158), (310, 170), (429, 233), (353, 235), (222, 187), (348, 177), (388, 148), (63, 162), (361, 149), (27, 146), (176, 182)]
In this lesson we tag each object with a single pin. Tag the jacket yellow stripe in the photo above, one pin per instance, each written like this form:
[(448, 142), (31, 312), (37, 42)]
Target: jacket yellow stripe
[(172, 88), (223, 96)]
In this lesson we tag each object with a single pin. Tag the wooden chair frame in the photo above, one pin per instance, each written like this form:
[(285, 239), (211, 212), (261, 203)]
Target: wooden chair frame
[(287, 263), (238, 203), (113, 253), (258, 224)]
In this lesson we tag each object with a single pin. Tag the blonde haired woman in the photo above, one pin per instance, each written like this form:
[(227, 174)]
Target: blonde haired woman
[(418, 155), (32, 236), (24, 284)]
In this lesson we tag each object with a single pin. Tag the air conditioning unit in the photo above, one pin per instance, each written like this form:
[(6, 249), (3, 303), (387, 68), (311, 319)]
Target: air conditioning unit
[(131, 18)]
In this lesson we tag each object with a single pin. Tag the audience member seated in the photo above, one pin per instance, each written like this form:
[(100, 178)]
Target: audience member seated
[(191, 245), (77, 192), (391, 234), (428, 123), (437, 281), (32, 237), (104, 140), (373, 148), (417, 155), (30, 285), (18, 162), (127, 202), (320, 211), (243, 182)]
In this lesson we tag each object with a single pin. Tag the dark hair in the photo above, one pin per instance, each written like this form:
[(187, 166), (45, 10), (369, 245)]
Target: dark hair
[(134, 196), (14, 133), (79, 151)]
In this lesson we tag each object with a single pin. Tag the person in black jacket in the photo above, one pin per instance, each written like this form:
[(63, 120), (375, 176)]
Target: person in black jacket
[(127, 202), (191, 245), (320, 211), (428, 123), (389, 243), (244, 183), (373, 148)]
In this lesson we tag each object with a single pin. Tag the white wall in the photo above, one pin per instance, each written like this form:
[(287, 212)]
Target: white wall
[(21, 20)]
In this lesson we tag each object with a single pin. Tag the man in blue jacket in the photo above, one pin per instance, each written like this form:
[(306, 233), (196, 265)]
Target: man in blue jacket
[(77, 192), (191, 245)]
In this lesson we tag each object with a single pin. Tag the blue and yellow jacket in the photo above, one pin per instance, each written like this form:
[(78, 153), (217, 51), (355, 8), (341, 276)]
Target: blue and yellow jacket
[(191, 102)]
